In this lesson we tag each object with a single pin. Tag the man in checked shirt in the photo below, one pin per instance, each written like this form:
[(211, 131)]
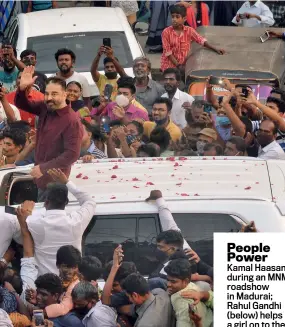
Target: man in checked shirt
[(176, 40)]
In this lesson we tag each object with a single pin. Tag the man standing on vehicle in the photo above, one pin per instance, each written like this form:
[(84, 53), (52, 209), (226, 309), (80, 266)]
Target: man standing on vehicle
[(65, 60), (112, 68), (59, 132)]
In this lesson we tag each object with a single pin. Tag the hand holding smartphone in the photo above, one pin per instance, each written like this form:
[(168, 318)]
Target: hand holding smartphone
[(39, 318)]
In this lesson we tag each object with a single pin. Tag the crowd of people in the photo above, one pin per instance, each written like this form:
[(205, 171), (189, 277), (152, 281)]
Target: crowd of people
[(53, 122)]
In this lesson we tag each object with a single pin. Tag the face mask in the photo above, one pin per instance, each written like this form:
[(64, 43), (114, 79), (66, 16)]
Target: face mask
[(122, 101), (224, 132), (200, 146), (161, 256), (111, 75), (263, 140), (82, 312), (161, 121), (222, 121)]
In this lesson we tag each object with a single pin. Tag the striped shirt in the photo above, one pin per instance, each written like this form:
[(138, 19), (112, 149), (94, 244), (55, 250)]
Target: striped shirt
[(94, 151), (178, 45)]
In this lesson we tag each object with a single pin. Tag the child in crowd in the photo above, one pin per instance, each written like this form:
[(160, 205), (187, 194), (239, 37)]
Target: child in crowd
[(176, 40)]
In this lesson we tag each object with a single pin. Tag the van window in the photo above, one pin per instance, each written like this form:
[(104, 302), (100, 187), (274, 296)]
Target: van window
[(136, 233), (84, 45), (198, 230)]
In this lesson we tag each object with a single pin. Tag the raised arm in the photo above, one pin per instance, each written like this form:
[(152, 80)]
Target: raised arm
[(165, 215), (8, 50), (21, 98), (87, 204), (94, 67)]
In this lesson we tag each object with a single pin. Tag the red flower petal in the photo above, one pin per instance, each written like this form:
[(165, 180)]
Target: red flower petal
[(112, 197), (247, 188), (204, 158), (171, 158), (114, 176), (135, 179), (184, 194), (149, 183), (176, 164), (196, 194), (115, 167), (183, 158), (256, 182), (135, 186), (79, 175), (85, 177), (179, 184), (172, 175)]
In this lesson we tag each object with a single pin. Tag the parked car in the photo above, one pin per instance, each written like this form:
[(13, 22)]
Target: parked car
[(204, 196), (81, 30)]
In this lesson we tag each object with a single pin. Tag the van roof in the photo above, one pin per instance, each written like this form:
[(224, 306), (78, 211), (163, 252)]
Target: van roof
[(67, 20), (184, 178), (177, 178)]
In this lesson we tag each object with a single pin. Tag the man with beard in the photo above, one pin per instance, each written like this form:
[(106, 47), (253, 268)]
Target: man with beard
[(11, 66), (266, 137), (112, 68), (65, 60), (148, 90), (29, 58), (161, 112), (180, 100), (58, 125)]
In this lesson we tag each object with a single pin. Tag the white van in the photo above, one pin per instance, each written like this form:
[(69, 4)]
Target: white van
[(79, 29), (204, 195)]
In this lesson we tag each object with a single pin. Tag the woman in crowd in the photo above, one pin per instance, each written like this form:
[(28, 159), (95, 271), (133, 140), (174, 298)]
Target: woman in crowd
[(197, 13), (74, 96)]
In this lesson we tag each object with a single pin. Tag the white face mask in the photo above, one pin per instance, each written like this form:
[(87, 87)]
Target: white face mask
[(122, 101)]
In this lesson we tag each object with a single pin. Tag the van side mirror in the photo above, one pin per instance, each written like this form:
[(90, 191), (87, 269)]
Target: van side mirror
[(140, 28)]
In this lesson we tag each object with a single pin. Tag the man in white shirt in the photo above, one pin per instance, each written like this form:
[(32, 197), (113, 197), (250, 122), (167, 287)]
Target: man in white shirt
[(10, 230), (254, 14), (266, 137), (7, 110), (54, 227), (65, 60), (180, 100)]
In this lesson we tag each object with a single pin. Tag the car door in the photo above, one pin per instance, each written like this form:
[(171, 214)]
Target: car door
[(198, 230), (136, 233)]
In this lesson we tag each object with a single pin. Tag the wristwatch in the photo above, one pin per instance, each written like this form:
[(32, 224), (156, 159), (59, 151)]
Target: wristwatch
[(4, 261)]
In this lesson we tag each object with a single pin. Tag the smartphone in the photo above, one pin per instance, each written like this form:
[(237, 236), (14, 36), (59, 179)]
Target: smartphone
[(39, 317), (108, 91), (107, 42), (215, 81), (245, 91), (264, 37), (10, 210), (131, 139), (105, 122), (207, 108), (120, 259)]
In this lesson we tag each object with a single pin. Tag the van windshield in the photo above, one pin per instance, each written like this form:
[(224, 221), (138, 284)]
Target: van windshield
[(84, 45)]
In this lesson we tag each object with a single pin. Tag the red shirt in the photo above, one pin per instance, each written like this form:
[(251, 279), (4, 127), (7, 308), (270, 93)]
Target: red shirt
[(32, 96), (59, 136), (178, 45)]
